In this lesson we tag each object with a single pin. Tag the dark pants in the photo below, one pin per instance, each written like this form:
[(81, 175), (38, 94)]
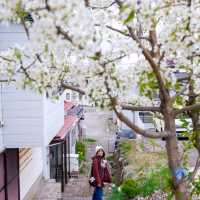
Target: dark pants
[(98, 193)]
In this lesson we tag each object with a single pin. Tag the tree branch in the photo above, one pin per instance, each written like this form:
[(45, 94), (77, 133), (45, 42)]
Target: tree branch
[(137, 129), (188, 108), (140, 108), (7, 59), (103, 7), (87, 3), (6, 80), (66, 36), (179, 93), (197, 165), (113, 60), (74, 88), (117, 30), (152, 63)]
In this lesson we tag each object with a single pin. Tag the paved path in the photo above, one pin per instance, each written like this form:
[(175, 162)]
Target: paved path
[(78, 188), (96, 124)]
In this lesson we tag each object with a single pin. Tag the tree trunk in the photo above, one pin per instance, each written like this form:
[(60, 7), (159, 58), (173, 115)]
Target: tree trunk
[(179, 188)]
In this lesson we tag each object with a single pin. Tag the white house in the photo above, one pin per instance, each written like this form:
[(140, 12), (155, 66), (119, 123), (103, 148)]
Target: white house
[(35, 134), (28, 123)]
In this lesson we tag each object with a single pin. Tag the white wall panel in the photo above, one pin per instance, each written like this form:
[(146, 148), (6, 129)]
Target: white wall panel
[(53, 118), (11, 35), (27, 179), (23, 117)]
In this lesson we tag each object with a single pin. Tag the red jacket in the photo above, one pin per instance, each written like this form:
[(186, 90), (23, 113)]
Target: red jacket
[(100, 173)]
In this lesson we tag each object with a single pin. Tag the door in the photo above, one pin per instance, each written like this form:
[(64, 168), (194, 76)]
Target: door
[(9, 175), (56, 162)]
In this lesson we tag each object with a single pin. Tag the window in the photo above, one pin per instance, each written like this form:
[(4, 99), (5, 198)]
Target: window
[(74, 96), (67, 96), (146, 117)]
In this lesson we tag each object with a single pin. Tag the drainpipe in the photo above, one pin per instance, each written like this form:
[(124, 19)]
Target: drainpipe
[(1, 117)]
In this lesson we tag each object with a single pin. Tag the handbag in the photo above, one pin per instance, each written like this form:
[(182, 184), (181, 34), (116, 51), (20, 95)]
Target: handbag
[(106, 175), (92, 180)]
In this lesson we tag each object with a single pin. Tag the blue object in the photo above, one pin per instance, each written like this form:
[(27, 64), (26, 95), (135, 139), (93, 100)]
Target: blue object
[(180, 173), (98, 194), (126, 133)]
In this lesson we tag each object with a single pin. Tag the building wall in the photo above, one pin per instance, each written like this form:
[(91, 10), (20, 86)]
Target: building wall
[(53, 117), (1, 121), (22, 116), (1, 142), (11, 35), (30, 173)]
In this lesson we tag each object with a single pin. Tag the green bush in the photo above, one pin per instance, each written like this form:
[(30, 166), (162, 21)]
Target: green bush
[(130, 188), (196, 187), (81, 151), (109, 158), (125, 147), (158, 179), (117, 195)]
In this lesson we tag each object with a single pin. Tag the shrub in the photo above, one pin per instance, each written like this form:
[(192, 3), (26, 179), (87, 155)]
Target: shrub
[(117, 194), (157, 180), (125, 146), (130, 188), (81, 151), (196, 186), (109, 158)]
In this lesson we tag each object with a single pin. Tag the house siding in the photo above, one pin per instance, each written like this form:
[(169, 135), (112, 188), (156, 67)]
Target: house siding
[(27, 179), (53, 118), (22, 116), (11, 35)]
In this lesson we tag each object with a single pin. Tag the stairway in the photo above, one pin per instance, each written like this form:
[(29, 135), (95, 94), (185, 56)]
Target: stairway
[(49, 190), (77, 189)]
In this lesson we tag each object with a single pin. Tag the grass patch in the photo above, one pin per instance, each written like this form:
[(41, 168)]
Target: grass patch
[(140, 162), (89, 141), (127, 147)]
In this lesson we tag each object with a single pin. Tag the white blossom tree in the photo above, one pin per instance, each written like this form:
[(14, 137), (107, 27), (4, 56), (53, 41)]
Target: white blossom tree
[(104, 48)]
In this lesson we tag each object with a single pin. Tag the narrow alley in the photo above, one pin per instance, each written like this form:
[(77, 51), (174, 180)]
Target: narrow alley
[(96, 124)]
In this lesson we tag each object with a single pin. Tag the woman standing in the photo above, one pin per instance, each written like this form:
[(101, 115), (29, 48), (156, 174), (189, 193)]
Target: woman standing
[(100, 173)]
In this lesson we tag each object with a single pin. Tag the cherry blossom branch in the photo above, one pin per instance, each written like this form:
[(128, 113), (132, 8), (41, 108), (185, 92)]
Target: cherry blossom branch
[(179, 93), (24, 70), (140, 108), (133, 126), (65, 34), (74, 88), (103, 7), (7, 59), (127, 34), (87, 3), (152, 63), (188, 108), (113, 60), (119, 31), (130, 124), (6, 80)]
